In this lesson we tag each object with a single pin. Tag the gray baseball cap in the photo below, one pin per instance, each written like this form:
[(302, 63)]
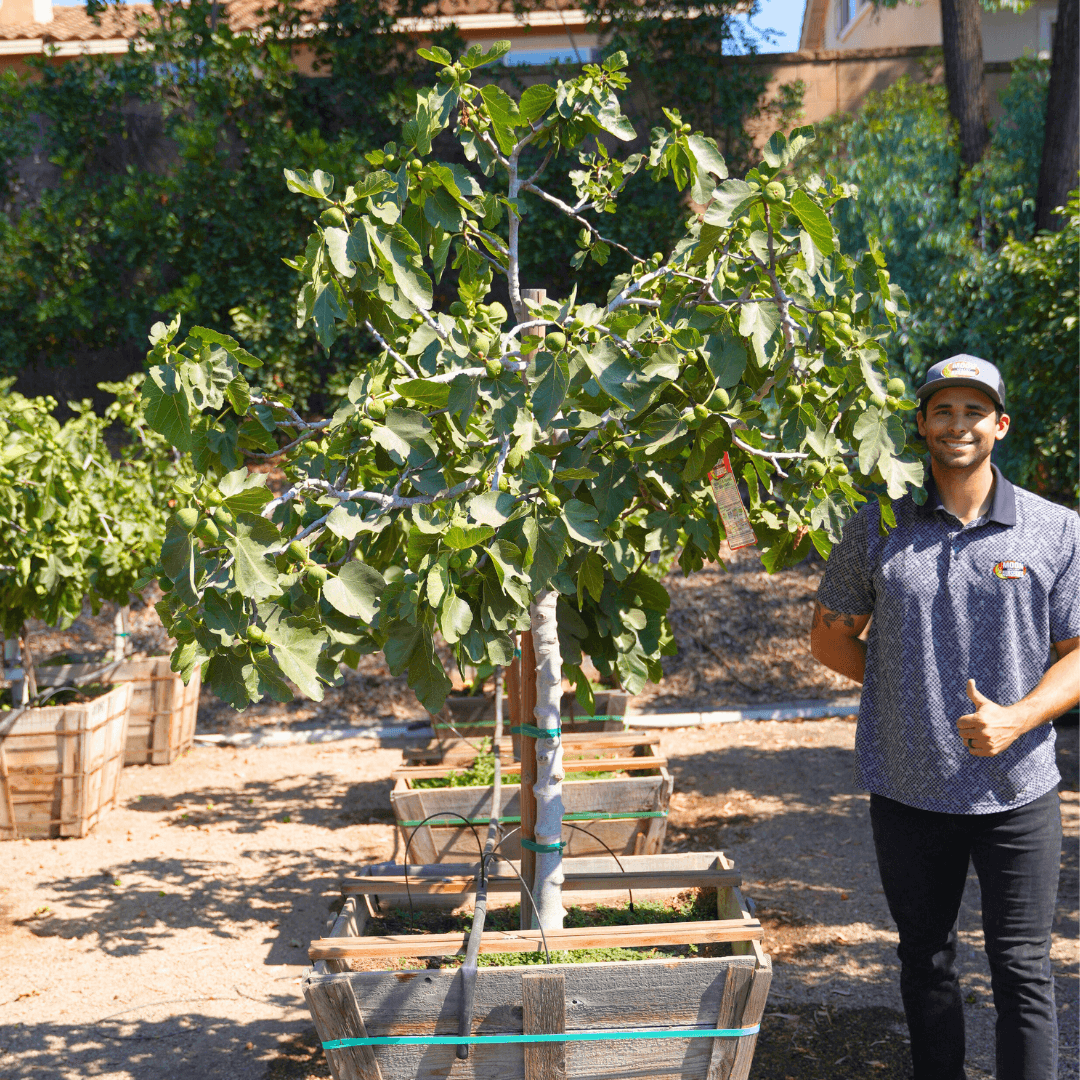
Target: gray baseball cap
[(964, 370)]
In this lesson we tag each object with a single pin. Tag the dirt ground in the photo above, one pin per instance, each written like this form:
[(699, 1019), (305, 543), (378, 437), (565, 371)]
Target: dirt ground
[(170, 943)]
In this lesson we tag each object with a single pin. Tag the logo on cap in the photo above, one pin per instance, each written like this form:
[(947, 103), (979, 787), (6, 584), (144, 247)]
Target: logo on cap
[(961, 369), (1010, 569)]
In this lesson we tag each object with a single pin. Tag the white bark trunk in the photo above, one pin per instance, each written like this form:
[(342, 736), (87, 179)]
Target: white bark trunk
[(549, 762)]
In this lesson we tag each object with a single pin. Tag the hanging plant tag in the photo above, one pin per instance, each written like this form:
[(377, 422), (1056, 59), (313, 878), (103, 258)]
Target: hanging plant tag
[(740, 532)]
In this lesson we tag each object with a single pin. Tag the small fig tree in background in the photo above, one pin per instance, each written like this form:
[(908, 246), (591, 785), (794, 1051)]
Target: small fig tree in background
[(482, 478), (78, 520)]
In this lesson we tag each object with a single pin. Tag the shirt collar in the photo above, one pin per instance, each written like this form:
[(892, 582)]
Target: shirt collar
[(1002, 508)]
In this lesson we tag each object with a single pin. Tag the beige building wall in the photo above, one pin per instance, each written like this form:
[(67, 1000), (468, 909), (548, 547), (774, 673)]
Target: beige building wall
[(1006, 35)]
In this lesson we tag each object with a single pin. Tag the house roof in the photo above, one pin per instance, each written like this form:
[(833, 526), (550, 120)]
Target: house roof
[(122, 22)]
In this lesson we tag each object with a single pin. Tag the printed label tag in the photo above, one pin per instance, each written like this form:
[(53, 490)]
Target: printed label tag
[(1010, 568), (725, 489)]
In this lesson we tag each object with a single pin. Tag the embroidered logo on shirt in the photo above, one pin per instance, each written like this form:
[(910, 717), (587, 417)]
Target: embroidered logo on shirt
[(962, 369), (1010, 568)]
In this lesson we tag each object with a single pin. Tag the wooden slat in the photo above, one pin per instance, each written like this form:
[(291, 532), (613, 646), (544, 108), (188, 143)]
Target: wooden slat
[(752, 1013), (660, 993), (543, 1012), (497, 941), (399, 885), (730, 1015), (612, 764), (337, 1016)]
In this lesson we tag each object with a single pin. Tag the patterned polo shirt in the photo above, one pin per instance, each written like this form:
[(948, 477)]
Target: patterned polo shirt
[(950, 603)]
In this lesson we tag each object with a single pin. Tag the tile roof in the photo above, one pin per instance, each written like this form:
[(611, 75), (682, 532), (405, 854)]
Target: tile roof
[(72, 24)]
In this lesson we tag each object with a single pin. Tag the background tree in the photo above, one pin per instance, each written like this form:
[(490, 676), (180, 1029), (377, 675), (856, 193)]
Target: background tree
[(962, 244), (163, 160), (1061, 146)]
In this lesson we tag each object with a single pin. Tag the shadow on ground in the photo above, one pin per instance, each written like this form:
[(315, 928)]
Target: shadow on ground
[(197, 1045), (137, 907), (316, 799)]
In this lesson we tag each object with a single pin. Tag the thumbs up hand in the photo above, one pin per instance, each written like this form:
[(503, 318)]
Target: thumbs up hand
[(990, 728)]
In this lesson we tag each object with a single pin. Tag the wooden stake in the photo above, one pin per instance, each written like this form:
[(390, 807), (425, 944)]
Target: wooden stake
[(543, 999)]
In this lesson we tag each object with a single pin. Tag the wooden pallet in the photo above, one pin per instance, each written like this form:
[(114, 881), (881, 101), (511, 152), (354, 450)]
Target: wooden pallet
[(60, 765), (726, 992), (637, 804), (163, 709)]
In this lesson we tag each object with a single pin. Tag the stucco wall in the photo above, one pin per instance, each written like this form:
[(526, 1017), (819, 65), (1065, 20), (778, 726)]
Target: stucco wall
[(1006, 35)]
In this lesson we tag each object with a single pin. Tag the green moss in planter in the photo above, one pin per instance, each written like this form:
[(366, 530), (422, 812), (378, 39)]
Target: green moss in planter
[(695, 905), (481, 773)]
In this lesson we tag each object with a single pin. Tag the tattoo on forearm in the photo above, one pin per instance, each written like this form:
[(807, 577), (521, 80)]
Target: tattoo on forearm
[(825, 617)]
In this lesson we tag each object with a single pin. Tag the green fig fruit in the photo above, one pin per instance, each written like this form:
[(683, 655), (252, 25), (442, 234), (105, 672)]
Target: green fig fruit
[(207, 531), (815, 469), (376, 409), (332, 216), (494, 368), (187, 518), (317, 575), (256, 635), (896, 387), (223, 517), (555, 341), (297, 552), (775, 192), (719, 400)]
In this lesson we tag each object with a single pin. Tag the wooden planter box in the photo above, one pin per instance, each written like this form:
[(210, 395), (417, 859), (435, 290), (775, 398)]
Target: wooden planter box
[(60, 766), (163, 709), (727, 992), (460, 753), (628, 814), (475, 716)]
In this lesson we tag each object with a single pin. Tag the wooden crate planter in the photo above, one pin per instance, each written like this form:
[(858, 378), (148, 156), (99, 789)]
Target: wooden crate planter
[(651, 996), (163, 709), (460, 753), (475, 716), (628, 814), (60, 766)]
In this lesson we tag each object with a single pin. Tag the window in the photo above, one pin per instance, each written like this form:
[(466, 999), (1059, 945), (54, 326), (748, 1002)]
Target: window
[(538, 57), (846, 10)]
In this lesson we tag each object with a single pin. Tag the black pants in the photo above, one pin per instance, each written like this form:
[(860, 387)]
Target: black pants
[(923, 859)]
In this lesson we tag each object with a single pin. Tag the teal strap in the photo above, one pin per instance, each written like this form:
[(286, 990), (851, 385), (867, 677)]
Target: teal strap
[(558, 1037), (535, 732), (542, 849), (583, 815)]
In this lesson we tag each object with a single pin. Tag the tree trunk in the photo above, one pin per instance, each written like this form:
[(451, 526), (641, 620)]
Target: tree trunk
[(961, 39), (549, 770), (1061, 143), (30, 688)]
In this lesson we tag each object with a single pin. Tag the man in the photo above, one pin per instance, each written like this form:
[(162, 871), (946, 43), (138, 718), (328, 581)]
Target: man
[(970, 594)]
